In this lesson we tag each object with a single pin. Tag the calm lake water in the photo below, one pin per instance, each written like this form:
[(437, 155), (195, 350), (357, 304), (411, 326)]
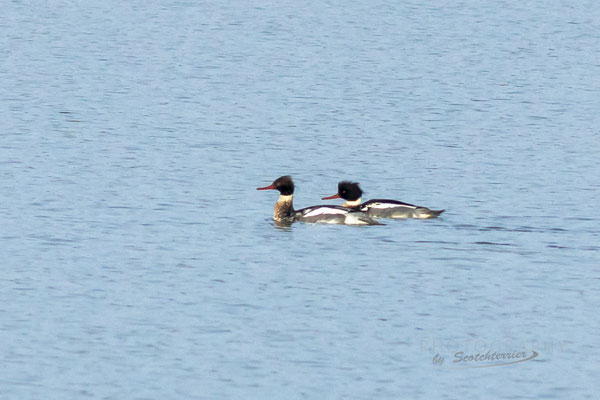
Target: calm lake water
[(139, 261)]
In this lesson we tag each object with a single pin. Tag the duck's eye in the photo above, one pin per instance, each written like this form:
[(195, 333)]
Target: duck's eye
[(343, 192)]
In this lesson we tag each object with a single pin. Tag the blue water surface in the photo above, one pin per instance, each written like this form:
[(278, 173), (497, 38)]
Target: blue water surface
[(139, 261)]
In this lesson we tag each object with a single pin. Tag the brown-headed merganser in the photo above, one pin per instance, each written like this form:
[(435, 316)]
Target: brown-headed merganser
[(285, 213), (352, 193)]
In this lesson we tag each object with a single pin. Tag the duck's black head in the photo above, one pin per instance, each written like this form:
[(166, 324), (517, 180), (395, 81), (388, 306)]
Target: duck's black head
[(350, 191), (283, 184)]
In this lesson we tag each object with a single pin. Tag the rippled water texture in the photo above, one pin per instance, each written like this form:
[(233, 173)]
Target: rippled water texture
[(139, 261)]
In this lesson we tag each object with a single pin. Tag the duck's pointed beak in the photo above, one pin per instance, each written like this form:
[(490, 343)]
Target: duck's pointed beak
[(335, 196), (266, 187)]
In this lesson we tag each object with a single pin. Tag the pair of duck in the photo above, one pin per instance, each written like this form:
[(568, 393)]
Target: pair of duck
[(352, 212)]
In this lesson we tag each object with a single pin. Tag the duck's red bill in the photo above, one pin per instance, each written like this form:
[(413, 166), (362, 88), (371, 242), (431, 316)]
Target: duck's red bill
[(335, 196), (266, 187)]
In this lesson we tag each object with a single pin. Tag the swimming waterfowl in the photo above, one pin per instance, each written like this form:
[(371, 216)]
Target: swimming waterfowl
[(379, 208), (325, 214)]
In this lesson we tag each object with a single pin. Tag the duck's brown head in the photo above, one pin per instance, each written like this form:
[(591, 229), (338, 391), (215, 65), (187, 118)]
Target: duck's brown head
[(283, 184)]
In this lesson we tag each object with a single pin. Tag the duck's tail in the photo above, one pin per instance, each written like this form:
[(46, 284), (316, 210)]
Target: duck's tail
[(426, 213)]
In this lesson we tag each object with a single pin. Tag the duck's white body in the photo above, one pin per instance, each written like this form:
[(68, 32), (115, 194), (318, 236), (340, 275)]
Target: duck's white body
[(397, 209), (334, 215)]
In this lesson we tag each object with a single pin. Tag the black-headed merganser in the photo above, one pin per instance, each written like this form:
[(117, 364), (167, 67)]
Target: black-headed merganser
[(378, 208), (285, 213)]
